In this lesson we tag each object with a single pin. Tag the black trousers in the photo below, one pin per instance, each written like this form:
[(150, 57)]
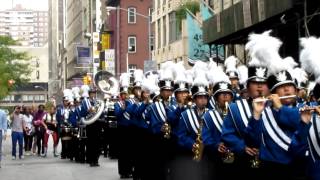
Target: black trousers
[(163, 151), (93, 148), (82, 150), (74, 149), (125, 166), (28, 140), (40, 139)]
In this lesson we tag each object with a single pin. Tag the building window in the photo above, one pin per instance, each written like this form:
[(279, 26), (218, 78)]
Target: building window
[(159, 34), (41, 97), (172, 27), (152, 42), (30, 97), (131, 15), (164, 31), (38, 75), (132, 43)]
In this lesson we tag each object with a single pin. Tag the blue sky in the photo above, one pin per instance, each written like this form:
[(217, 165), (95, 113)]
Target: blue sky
[(29, 4)]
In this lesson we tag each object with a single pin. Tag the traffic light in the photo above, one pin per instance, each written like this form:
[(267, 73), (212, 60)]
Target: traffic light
[(89, 79), (85, 80)]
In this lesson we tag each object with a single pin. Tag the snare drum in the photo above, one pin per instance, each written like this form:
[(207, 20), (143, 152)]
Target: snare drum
[(66, 133)]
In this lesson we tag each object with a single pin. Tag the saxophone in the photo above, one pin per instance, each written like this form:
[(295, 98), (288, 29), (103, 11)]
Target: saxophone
[(198, 145), (166, 128)]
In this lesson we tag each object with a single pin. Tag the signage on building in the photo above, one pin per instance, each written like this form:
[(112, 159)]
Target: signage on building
[(105, 41), (197, 49), (150, 65), (95, 37), (83, 54), (109, 56), (96, 52)]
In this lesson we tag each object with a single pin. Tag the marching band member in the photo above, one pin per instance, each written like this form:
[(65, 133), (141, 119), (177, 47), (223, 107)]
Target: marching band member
[(82, 152), (92, 130), (301, 80), (307, 137), (190, 133), (135, 119), (274, 124), (73, 121), (159, 123), (218, 153), (210, 76), (62, 116), (243, 76), (230, 63), (125, 166), (234, 129), (76, 139), (183, 101)]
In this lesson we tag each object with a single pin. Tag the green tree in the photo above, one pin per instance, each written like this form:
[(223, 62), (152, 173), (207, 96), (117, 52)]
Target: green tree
[(14, 66)]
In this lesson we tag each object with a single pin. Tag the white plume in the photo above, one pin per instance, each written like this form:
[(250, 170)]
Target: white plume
[(263, 49), (150, 83), (124, 80), (300, 75), (230, 63), (84, 90), (200, 79), (310, 55), (76, 92), (138, 75), (179, 72), (166, 70), (243, 74), (287, 64), (189, 76), (213, 72), (198, 67)]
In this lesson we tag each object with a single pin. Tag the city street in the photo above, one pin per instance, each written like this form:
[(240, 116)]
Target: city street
[(50, 168)]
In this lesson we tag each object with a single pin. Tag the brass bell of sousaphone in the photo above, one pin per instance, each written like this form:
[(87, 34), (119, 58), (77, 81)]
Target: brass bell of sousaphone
[(107, 84)]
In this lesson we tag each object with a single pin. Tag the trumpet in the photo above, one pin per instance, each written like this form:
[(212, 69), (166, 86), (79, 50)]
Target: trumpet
[(267, 99)]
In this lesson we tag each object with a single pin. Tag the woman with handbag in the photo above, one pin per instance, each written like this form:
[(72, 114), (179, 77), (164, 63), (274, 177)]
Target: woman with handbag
[(28, 130)]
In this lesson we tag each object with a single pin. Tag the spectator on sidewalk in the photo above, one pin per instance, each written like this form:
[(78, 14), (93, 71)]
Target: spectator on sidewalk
[(3, 130), (29, 130), (39, 129), (17, 132), (50, 123)]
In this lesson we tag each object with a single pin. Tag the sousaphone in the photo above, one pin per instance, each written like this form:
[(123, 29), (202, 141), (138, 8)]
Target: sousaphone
[(107, 84)]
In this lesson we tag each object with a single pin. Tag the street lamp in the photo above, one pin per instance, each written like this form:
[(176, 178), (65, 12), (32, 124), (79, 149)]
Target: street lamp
[(111, 8), (40, 87)]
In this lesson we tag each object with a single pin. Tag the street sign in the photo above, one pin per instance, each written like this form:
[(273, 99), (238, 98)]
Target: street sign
[(83, 55)]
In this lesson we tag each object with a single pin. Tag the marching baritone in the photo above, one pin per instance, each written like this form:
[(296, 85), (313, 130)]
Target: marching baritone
[(92, 130), (125, 166)]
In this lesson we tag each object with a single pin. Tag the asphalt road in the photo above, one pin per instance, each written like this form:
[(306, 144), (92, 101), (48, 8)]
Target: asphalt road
[(51, 168)]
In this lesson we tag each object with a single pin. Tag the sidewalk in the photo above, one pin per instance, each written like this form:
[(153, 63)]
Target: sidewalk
[(50, 168)]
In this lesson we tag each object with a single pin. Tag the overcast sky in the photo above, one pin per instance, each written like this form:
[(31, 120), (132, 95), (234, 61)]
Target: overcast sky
[(28, 4)]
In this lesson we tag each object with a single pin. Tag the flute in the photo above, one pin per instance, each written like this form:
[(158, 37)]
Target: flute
[(308, 108), (266, 99)]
